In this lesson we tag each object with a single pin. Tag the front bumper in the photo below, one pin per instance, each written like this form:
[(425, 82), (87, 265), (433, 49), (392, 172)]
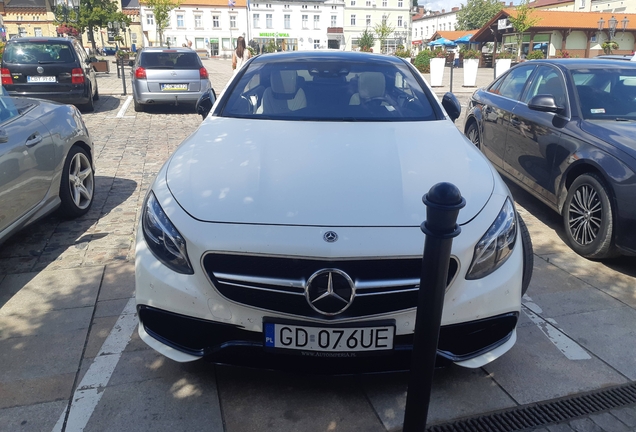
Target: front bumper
[(217, 342)]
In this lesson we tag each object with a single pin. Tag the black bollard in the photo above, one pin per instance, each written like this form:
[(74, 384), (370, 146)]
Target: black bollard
[(123, 76), (443, 202), (451, 77)]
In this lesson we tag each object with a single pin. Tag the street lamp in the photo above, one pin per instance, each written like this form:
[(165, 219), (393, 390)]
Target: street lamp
[(115, 26), (612, 23), (65, 11), (624, 22)]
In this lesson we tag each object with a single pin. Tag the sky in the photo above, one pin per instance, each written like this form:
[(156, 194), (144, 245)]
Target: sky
[(447, 5)]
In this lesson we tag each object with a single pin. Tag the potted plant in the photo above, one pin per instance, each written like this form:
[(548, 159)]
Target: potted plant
[(503, 62), (471, 64), (563, 54), (609, 46), (535, 55), (423, 61), (437, 67), (100, 65)]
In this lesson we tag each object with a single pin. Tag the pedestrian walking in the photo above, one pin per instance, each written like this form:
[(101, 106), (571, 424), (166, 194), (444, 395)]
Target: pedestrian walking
[(240, 55)]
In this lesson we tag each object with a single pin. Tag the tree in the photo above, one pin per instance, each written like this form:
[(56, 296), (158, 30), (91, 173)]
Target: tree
[(521, 21), (383, 30), (161, 10), (366, 41), (96, 14), (476, 13)]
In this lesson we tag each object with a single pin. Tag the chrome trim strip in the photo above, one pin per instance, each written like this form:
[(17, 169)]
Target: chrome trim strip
[(263, 289), (290, 283), (386, 283), (388, 292)]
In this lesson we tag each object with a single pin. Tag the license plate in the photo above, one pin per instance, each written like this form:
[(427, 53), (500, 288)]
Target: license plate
[(328, 339), (173, 87), (41, 79)]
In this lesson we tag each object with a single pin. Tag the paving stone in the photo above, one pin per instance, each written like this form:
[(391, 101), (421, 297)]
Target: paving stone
[(31, 418), (561, 427), (626, 414), (609, 422), (585, 425)]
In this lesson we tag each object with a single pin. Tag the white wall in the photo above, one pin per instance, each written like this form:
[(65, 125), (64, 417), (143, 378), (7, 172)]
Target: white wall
[(375, 10)]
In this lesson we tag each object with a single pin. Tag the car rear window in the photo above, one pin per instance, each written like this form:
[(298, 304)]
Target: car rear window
[(606, 93), (38, 53), (329, 90), (169, 60)]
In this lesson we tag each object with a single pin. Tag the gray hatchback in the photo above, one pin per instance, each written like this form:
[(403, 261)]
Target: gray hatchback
[(168, 76)]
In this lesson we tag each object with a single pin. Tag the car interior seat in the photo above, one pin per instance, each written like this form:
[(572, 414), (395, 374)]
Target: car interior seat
[(554, 87), (371, 85), (283, 95), (184, 61), (65, 55)]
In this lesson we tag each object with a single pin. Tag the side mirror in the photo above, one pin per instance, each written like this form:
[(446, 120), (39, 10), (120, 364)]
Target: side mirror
[(544, 103), (452, 106), (92, 59), (205, 102)]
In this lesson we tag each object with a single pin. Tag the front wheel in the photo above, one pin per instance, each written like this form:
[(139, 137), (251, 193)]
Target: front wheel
[(473, 134), (528, 256), (588, 218), (78, 183)]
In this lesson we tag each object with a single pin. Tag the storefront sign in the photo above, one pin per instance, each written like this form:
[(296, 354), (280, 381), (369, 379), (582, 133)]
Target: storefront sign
[(274, 35)]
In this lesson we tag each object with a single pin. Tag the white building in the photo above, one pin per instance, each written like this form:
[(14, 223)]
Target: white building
[(293, 25), (425, 25), (366, 14), (210, 25)]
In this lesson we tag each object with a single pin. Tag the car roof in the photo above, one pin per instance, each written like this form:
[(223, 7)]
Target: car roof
[(162, 49), (583, 63), (40, 39), (615, 56), (330, 55)]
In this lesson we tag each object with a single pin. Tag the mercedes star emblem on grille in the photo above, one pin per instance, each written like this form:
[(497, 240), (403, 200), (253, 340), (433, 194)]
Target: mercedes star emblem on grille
[(330, 291), (330, 236)]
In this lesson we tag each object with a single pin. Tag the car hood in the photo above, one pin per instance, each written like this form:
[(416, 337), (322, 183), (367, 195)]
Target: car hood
[(620, 134), (324, 173)]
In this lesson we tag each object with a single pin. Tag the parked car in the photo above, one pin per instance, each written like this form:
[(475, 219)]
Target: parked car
[(564, 130), (46, 162), (286, 229), (109, 50), (627, 57), (52, 68), (172, 76)]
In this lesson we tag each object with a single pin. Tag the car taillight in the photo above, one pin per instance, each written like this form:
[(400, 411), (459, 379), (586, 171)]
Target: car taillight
[(77, 76), (6, 76), (140, 73), (203, 73)]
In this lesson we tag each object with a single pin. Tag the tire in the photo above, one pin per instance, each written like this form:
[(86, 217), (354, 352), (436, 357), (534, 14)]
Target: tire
[(588, 218), (90, 106), (528, 256), (472, 133), (138, 107), (77, 188), (96, 95)]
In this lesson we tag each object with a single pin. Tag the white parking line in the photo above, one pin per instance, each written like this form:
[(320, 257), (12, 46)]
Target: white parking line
[(567, 346), (124, 107), (91, 389)]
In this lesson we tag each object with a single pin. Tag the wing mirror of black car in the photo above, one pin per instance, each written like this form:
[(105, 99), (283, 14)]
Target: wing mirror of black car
[(452, 106), (544, 103), (92, 59), (205, 102)]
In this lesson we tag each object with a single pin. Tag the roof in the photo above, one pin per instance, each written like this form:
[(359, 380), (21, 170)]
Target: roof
[(129, 4), (452, 34), (555, 20), (212, 3), (29, 4), (545, 3)]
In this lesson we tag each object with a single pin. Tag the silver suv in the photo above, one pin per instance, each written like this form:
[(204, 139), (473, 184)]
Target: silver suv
[(168, 76)]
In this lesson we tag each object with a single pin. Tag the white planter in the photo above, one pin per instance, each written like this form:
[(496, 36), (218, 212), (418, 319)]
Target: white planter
[(470, 72), (502, 65), (437, 71)]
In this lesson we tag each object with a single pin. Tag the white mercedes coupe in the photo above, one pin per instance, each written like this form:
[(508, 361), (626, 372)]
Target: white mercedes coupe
[(285, 231)]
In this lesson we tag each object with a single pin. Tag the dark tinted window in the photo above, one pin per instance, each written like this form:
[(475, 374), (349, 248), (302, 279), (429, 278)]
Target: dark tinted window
[(606, 93), (38, 53), (513, 83), (329, 89), (548, 81), (169, 59)]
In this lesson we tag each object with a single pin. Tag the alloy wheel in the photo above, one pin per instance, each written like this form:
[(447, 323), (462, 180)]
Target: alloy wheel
[(81, 182), (585, 215)]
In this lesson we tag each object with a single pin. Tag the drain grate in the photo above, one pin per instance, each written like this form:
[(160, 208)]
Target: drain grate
[(544, 413)]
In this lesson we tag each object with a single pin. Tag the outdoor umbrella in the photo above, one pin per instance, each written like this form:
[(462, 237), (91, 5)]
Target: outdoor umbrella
[(464, 39), (441, 42)]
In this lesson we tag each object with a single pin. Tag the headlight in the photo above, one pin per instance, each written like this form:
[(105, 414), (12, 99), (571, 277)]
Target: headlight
[(494, 248), (162, 237)]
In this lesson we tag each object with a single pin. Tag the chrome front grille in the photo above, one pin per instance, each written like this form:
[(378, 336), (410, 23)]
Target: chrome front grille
[(278, 283)]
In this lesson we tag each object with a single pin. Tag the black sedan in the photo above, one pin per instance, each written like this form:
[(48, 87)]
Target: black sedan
[(565, 130)]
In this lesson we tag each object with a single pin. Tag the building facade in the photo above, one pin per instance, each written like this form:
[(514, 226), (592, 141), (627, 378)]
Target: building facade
[(426, 24), (605, 6), (361, 15)]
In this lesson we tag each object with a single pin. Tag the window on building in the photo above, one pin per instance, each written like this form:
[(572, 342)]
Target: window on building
[(444, 26), (226, 44), (37, 31), (384, 3), (150, 19), (256, 19), (334, 20), (334, 8), (197, 21), (233, 21), (399, 24), (353, 20), (316, 7), (384, 17), (305, 20), (400, 3), (180, 20), (582, 4), (368, 20), (353, 2), (268, 21), (268, 6), (304, 6), (316, 44), (287, 21), (216, 21), (316, 22), (368, 3), (20, 18), (286, 6)]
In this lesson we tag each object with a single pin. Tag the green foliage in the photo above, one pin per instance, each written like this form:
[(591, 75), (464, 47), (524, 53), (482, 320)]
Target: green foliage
[(439, 53), (96, 14), (270, 47), (522, 21), (505, 55), (423, 60), (609, 46), (383, 30), (475, 13), (468, 53), (366, 41), (563, 54), (161, 10), (252, 51), (400, 52), (535, 55), (2, 45)]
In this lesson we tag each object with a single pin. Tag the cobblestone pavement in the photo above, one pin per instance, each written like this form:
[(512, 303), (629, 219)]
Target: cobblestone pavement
[(96, 254)]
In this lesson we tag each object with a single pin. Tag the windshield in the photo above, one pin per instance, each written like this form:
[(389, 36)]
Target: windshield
[(606, 94), (329, 90), (169, 59), (38, 53)]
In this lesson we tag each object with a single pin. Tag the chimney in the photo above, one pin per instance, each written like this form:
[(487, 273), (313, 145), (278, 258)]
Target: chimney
[(455, 9), (443, 10)]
